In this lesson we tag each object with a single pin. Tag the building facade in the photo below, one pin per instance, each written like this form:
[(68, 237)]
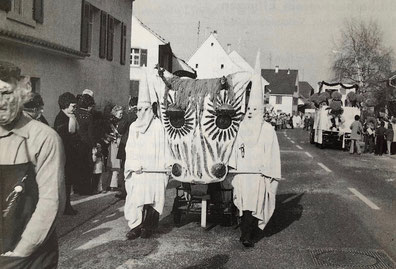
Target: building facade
[(283, 89), (69, 46), (149, 50)]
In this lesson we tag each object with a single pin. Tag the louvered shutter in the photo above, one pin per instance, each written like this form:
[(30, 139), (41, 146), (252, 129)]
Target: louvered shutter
[(143, 57), (102, 36), (110, 38), (85, 27), (5, 5), (123, 43), (38, 11)]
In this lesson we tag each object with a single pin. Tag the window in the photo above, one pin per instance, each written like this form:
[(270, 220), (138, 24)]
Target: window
[(103, 34), (211, 44), (196, 65), (17, 7), (86, 28), (222, 66), (28, 12), (295, 101), (278, 100), (135, 57), (123, 43), (35, 82), (138, 57), (110, 38)]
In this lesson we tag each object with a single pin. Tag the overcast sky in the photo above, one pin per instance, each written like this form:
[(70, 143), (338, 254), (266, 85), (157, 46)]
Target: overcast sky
[(296, 34)]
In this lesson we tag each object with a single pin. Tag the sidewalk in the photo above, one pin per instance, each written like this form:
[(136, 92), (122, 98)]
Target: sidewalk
[(87, 207)]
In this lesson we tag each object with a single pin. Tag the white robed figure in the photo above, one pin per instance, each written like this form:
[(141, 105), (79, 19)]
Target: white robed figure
[(256, 150), (146, 148)]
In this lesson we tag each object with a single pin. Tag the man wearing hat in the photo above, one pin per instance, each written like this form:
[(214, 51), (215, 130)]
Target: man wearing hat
[(146, 148), (32, 190), (34, 108), (256, 149)]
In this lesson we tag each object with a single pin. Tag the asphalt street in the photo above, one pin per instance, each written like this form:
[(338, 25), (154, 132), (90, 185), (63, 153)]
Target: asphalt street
[(334, 210)]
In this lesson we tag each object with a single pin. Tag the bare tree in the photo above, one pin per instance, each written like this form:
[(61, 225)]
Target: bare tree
[(362, 58)]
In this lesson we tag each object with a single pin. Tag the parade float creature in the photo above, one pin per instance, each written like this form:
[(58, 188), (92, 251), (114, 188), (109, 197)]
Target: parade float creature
[(336, 110), (201, 119)]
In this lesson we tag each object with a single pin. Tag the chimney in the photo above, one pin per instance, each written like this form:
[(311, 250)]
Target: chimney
[(277, 69), (228, 48), (288, 71), (215, 33)]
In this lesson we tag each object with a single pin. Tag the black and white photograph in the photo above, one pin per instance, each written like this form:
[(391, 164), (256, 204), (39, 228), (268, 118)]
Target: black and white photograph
[(186, 134)]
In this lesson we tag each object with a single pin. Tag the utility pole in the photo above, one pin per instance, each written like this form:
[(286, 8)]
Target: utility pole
[(199, 29)]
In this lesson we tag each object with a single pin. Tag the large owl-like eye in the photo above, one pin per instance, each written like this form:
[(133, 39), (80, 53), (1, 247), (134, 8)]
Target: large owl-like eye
[(222, 123), (177, 122)]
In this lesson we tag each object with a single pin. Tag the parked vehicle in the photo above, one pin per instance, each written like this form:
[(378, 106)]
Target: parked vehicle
[(323, 132)]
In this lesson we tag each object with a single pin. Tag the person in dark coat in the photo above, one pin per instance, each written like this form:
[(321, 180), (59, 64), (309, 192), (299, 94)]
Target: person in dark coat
[(123, 128), (380, 139), (66, 126), (84, 116), (34, 108)]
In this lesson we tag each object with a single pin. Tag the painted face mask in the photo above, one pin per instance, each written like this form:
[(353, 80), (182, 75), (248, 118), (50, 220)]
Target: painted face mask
[(12, 98), (10, 103)]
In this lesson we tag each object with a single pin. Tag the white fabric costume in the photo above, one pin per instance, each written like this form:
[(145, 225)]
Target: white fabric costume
[(146, 148), (256, 149)]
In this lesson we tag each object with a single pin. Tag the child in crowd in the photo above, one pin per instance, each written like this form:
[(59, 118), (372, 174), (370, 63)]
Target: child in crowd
[(97, 158), (389, 137)]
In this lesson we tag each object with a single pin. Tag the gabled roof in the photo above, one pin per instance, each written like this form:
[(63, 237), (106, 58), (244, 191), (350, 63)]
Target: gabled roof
[(239, 61), (134, 18), (305, 89), (281, 82), (243, 64)]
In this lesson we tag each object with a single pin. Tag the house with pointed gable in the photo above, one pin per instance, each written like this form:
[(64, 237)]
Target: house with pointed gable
[(210, 60), (283, 89), (149, 49)]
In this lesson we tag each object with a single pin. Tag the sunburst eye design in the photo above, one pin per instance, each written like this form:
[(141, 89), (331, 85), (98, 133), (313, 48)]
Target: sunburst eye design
[(177, 122), (222, 123)]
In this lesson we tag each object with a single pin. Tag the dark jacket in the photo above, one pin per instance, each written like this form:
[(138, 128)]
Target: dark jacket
[(123, 129), (86, 127)]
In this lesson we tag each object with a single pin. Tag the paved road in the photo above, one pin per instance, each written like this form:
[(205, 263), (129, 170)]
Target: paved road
[(333, 209)]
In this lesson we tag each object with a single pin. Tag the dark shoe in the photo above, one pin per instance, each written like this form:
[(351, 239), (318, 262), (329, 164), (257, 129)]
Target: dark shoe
[(134, 233), (146, 233), (248, 243), (120, 196)]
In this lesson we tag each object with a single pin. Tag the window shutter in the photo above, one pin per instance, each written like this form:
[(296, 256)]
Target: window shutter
[(110, 38), (38, 11), (85, 27), (143, 57), (123, 43), (5, 5), (102, 36)]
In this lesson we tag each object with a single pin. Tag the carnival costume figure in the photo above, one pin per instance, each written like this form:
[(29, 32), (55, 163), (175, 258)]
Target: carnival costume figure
[(32, 192), (146, 148), (256, 149)]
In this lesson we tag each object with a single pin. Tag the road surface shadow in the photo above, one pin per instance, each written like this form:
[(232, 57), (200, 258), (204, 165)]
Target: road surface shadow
[(288, 210), (110, 255), (215, 262)]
